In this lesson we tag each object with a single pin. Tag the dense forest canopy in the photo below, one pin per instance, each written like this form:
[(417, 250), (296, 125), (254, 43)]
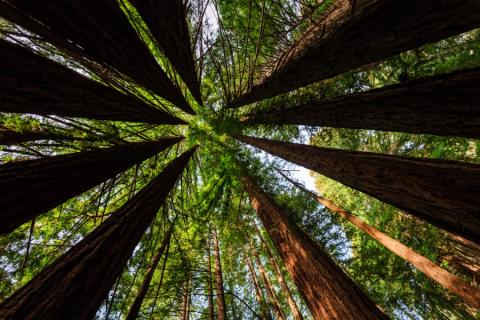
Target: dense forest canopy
[(220, 159)]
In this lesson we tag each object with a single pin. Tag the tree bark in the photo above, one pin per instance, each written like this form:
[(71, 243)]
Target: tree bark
[(137, 304), (361, 32), (211, 311), (98, 31), (30, 188), (186, 301), (221, 305), (449, 281), (12, 137), (33, 84), (446, 105), (463, 255), (444, 193), (258, 290), (76, 284), (328, 292)]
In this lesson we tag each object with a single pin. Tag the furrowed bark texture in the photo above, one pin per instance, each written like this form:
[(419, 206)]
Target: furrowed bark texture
[(449, 281), (32, 84), (444, 193), (167, 20), (221, 305), (372, 30), (99, 31), (76, 284), (137, 303), (328, 292), (30, 188), (447, 105), (463, 255)]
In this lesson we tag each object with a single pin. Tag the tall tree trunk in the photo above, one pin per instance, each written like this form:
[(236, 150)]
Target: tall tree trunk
[(328, 292), (33, 84), (76, 284), (10, 137), (463, 255), (443, 105), (137, 304), (185, 315), (222, 308), (441, 276), (361, 32), (272, 297), (30, 188), (258, 290), (297, 315), (444, 193), (211, 311)]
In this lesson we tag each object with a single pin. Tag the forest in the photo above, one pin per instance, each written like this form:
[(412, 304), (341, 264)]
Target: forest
[(240, 159)]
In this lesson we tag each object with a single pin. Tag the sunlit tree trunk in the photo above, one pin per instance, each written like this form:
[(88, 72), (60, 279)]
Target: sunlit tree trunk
[(444, 105), (449, 281), (258, 290), (444, 193), (328, 292), (30, 188), (211, 311), (76, 284), (221, 306), (357, 33), (137, 304)]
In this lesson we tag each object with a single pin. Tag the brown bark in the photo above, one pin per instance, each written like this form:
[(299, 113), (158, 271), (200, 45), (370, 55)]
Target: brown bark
[(328, 292), (185, 315), (462, 255), (98, 31), (444, 193), (445, 105), (167, 20), (221, 305), (211, 312), (258, 291), (76, 284), (137, 304), (33, 84), (350, 37), (11, 137), (449, 281), (30, 188)]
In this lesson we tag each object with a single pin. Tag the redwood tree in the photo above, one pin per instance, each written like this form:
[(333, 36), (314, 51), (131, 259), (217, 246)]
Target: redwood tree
[(221, 305)]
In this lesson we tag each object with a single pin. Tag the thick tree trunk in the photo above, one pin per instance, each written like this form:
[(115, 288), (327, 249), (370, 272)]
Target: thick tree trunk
[(211, 311), (328, 292), (447, 105), (76, 284), (258, 290), (137, 304), (11, 137), (297, 315), (33, 84), (449, 281), (30, 188), (167, 20), (272, 296), (221, 305), (444, 193), (361, 32), (98, 31)]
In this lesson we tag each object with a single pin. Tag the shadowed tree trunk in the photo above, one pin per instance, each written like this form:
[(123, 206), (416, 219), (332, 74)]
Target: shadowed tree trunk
[(10, 137), (361, 32), (211, 311), (67, 26), (444, 193), (462, 255), (167, 20), (446, 105), (76, 284), (137, 304), (32, 187), (449, 281), (33, 84), (328, 292), (258, 290), (221, 306)]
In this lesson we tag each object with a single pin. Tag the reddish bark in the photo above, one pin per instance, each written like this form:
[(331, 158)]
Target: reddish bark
[(258, 291), (76, 284), (444, 193), (211, 312), (30, 188), (221, 305), (328, 292)]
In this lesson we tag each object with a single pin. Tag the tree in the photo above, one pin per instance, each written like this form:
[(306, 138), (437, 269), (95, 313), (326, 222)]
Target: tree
[(221, 306)]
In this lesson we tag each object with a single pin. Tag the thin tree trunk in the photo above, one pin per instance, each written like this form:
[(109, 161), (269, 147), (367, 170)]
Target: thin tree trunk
[(221, 305), (76, 284), (444, 193), (297, 315), (446, 105), (272, 297), (258, 290), (12, 137), (33, 84), (137, 304), (463, 255), (30, 188), (211, 311), (328, 292), (361, 32), (186, 301), (444, 278)]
